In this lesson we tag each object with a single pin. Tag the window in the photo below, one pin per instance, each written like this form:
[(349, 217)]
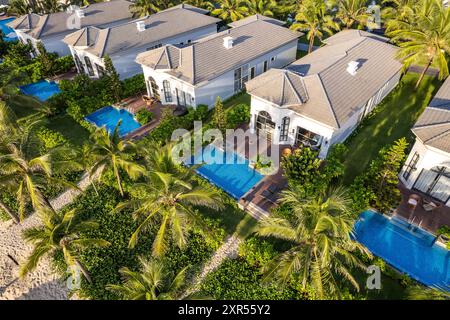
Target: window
[(89, 66), (167, 93), (411, 166), (78, 63), (265, 66), (284, 128), (100, 70), (154, 88), (307, 138), (252, 72), (272, 59), (264, 125), (240, 77)]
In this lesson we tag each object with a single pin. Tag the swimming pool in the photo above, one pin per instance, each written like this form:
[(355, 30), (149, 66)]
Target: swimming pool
[(110, 116), (42, 90), (8, 33), (235, 177), (410, 250)]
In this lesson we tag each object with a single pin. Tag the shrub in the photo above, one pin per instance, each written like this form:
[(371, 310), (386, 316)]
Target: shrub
[(257, 252), (50, 139), (238, 115), (144, 116), (133, 86)]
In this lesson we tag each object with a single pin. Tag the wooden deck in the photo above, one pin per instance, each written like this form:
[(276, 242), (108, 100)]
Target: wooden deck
[(134, 104), (428, 220)]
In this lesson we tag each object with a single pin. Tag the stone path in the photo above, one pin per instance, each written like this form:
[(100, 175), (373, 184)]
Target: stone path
[(42, 283)]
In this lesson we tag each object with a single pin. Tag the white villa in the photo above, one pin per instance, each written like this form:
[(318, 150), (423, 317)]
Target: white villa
[(218, 65), (179, 25), (51, 28), (320, 99), (427, 168)]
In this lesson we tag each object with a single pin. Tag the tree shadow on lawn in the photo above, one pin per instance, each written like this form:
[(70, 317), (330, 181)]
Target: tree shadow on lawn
[(393, 121)]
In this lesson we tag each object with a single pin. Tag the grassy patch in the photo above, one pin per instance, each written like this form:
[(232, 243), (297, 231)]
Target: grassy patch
[(392, 120), (69, 128), (301, 54), (237, 99)]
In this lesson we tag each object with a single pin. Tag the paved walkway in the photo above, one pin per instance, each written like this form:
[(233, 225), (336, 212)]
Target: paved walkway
[(43, 283)]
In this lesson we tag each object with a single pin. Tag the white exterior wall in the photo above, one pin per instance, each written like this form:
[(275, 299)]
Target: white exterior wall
[(52, 44), (277, 114), (125, 63), (429, 157), (330, 135), (223, 85), (175, 84)]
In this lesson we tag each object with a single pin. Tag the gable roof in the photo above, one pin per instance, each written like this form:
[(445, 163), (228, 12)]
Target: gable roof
[(254, 18), (208, 58), (159, 26), (433, 126), (334, 95), (97, 14)]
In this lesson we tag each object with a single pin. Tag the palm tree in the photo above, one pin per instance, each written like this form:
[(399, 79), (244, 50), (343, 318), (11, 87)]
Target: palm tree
[(142, 8), (425, 38), (314, 18), (169, 199), (267, 8), (201, 4), (420, 293), (399, 10), (19, 7), (231, 10), (60, 233), (152, 282), (352, 13), (28, 175), (110, 151), (322, 252)]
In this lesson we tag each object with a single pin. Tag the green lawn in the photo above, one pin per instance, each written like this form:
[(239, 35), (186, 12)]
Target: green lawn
[(24, 106), (237, 99), (393, 120)]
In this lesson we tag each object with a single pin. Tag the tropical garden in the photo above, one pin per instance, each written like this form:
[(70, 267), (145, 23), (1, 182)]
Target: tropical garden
[(144, 226)]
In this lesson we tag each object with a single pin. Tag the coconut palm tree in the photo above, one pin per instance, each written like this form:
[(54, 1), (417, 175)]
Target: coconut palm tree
[(352, 13), (313, 17), (421, 293), (322, 252), (399, 10), (425, 38), (20, 7), (108, 150), (231, 10), (142, 8), (152, 282), (169, 200), (60, 233), (28, 176), (267, 8), (208, 5)]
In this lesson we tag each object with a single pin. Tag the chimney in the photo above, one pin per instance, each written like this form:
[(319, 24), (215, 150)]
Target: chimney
[(140, 25), (353, 67), (228, 42), (79, 13)]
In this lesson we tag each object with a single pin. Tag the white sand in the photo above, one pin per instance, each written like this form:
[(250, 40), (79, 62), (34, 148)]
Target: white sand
[(42, 283)]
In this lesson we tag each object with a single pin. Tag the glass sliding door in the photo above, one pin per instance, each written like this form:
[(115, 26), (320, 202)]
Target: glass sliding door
[(435, 183), (264, 125), (307, 138)]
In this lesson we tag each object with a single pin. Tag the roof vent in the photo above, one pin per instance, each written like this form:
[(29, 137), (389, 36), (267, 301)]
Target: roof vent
[(140, 25), (228, 42), (79, 13), (353, 67)]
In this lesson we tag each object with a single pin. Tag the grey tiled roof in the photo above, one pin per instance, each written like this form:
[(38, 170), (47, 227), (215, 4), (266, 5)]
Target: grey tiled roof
[(334, 95), (159, 26), (98, 14), (433, 126), (254, 18), (208, 58)]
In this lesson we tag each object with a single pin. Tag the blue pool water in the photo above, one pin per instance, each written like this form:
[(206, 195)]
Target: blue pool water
[(235, 177), (412, 252), (41, 90), (110, 116), (8, 33)]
